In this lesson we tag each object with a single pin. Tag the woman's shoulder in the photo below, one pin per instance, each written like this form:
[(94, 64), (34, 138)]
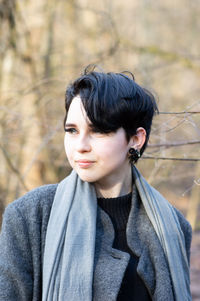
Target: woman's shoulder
[(185, 225), (39, 196), (35, 203), (186, 229)]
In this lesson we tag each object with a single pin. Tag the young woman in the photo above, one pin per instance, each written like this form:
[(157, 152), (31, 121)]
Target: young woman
[(103, 233)]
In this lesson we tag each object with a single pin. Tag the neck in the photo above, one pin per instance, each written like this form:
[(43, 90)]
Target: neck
[(115, 187)]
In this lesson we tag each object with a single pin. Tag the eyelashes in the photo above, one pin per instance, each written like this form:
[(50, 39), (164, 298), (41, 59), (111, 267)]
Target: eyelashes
[(70, 130), (92, 130), (73, 130)]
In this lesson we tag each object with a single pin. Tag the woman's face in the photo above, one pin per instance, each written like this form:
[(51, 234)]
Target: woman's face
[(96, 157)]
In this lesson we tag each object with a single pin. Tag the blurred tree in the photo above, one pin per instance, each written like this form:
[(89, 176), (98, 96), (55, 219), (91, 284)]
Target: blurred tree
[(44, 44)]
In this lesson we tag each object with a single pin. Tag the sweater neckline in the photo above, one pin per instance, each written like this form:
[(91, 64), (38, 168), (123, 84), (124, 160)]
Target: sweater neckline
[(118, 209)]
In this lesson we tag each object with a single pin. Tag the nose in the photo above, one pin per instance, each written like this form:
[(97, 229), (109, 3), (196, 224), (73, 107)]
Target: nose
[(83, 144)]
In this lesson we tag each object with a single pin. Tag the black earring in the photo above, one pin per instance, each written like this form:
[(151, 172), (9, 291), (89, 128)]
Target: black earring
[(134, 154)]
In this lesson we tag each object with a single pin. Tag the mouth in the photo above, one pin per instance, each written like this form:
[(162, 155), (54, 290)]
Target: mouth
[(84, 163)]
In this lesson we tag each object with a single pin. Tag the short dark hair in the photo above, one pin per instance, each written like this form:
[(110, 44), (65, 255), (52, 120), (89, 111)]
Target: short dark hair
[(114, 100)]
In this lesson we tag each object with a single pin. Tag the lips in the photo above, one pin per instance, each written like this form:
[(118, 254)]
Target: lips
[(84, 163)]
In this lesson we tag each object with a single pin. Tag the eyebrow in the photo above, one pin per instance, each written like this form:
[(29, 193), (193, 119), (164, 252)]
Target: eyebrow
[(74, 125), (70, 125)]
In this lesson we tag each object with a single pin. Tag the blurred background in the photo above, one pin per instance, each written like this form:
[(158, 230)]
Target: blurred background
[(45, 44)]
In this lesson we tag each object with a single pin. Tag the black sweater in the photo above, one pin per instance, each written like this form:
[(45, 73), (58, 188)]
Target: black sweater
[(118, 209)]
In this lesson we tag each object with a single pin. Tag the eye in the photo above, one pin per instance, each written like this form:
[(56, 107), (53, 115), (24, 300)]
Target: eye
[(71, 130)]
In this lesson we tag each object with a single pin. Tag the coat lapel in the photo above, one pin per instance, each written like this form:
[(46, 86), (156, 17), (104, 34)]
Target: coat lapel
[(143, 241), (110, 264)]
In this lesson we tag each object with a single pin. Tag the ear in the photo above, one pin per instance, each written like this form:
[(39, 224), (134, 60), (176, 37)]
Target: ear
[(137, 141)]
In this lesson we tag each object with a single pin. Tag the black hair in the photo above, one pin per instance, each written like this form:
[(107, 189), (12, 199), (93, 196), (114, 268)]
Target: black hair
[(113, 100)]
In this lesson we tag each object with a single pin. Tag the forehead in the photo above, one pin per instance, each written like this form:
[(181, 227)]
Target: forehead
[(76, 112)]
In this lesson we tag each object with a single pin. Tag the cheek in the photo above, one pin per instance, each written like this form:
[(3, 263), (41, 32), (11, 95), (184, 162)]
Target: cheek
[(112, 151), (103, 150), (68, 148)]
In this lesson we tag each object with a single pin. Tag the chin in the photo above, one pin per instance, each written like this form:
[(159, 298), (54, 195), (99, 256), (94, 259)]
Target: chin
[(86, 177)]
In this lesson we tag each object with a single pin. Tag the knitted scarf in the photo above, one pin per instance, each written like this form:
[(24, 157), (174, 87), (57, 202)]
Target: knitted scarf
[(70, 240)]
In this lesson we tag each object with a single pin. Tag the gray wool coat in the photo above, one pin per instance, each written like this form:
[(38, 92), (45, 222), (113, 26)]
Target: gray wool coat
[(22, 243)]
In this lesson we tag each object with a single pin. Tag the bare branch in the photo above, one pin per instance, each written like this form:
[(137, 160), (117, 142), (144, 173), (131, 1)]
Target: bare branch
[(14, 169), (102, 55), (172, 144), (45, 141), (166, 56), (179, 113), (171, 159)]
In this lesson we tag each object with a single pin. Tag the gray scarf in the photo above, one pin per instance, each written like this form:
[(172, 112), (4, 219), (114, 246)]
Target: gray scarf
[(70, 240)]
